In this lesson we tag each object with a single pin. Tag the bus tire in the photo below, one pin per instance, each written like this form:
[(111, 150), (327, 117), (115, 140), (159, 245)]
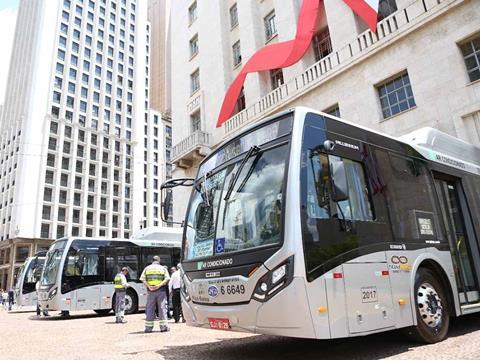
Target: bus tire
[(431, 304), (131, 302)]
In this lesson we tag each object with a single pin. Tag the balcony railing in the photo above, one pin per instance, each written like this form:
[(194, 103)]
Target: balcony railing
[(399, 23), (194, 147)]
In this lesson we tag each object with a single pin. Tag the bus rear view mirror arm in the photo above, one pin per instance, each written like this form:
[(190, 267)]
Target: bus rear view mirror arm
[(167, 202)]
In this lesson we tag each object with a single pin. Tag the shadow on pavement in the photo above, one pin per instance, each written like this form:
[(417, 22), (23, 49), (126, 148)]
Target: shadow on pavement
[(375, 346), (71, 317)]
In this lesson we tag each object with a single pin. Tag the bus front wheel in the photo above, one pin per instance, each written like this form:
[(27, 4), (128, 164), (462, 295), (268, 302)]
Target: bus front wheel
[(131, 302), (431, 305)]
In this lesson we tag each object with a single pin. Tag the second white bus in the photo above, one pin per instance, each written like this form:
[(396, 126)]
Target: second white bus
[(79, 272)]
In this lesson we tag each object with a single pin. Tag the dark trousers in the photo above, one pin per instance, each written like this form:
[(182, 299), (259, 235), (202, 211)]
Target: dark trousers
[(176, 303)]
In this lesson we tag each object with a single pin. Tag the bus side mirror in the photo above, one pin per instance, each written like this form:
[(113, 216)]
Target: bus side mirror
[(167, 204), (339, 180)]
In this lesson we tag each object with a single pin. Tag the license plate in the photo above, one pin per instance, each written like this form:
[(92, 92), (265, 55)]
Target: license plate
[(220, 324)]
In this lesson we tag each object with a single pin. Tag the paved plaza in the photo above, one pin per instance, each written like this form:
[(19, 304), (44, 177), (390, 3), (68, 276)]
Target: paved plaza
[(89, 336)]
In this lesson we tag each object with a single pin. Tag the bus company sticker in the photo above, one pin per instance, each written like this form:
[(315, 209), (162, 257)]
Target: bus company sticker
[(399, 263), (212, 291), (203, 249)]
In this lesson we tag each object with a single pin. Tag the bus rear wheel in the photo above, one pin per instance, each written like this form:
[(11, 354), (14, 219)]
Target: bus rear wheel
[(431, 306)]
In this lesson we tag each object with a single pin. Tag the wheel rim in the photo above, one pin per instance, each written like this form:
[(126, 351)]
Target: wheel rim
[(128, 303), (429, 305)]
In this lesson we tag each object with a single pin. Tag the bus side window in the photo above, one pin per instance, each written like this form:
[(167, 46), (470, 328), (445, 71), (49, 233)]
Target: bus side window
[(410, 196), (319, 204), (129, 258)]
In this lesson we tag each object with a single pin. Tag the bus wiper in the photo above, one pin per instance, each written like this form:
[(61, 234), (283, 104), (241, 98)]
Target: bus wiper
[(253, 150)]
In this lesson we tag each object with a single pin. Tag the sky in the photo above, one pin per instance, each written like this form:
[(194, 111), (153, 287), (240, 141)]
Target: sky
[(8, 18), (8, 4)]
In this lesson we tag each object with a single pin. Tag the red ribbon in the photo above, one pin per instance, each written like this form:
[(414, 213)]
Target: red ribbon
[(274, 56), (287, 53)]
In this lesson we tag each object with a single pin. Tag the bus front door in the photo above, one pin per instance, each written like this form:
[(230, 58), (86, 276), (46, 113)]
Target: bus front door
[(461, 237)]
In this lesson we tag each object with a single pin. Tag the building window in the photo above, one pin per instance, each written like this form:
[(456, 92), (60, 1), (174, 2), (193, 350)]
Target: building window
[(51, 160), (47, 194), (276, 78), (396, 95), (237, 56), (471, 56), (195, 120), (233, 16), (49, 177), (77, 199), (46, 212), (333, 110), (54, 127), (45, 231), (322, 46), (62, 197), (21, 253), (61, 214), (240, 105), (60, 231), (270, 25), (386, 8), (192, 12), (193, 46), (195, 81), (64, 180)]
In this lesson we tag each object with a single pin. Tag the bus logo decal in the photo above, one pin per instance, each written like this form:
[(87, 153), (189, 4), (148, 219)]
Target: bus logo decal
[(212, 291), (399, 259)]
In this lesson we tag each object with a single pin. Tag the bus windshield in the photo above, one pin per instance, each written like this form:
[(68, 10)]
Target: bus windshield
[(233, 212), (33, 272), (52, 263), (19, 276)]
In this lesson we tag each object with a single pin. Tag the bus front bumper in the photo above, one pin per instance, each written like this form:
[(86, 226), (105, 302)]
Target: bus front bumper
[(287, 314), (56, 302)]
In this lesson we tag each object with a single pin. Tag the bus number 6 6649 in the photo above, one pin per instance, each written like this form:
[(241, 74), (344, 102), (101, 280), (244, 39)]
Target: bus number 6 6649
[(232, 289)]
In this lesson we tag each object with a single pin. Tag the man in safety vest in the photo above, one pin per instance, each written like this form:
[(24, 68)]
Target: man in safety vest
[(121, 285), (156, 277)]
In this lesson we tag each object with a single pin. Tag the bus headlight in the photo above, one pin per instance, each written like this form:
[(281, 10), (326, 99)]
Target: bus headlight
[(52, 293), (274, 281), (279, 273)]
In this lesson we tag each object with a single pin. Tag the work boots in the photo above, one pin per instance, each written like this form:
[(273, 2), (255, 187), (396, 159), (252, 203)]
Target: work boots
[(164, 328)]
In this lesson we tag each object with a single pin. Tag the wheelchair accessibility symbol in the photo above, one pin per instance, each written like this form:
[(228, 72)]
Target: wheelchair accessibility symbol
[(219, 245)]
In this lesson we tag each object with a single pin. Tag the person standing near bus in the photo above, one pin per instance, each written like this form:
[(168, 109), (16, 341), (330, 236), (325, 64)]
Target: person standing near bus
[(11, 298), (5, 299), (121, 286), (155, 277), (174, 285)]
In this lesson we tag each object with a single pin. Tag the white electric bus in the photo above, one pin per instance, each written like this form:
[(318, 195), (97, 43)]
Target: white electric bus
[(28, 275), (78, 273), (306, 225)]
